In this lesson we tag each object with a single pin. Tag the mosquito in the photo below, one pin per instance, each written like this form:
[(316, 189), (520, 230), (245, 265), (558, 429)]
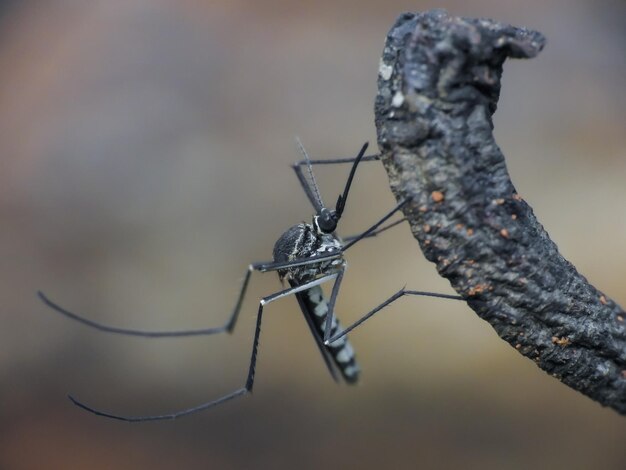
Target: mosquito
[(305, 256)]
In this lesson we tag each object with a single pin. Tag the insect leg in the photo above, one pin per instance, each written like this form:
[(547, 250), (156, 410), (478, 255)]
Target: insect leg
[(335, 161), (340, 349), (275, 266), (390, 300), (227, 327), (374, 227), (247, 388), (331, 306), (376, 232)]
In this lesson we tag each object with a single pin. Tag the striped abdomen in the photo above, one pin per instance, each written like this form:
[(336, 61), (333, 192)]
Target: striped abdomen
[(340, 350)]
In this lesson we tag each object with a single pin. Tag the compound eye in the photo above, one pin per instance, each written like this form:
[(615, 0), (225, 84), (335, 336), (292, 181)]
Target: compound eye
[(327, 221)]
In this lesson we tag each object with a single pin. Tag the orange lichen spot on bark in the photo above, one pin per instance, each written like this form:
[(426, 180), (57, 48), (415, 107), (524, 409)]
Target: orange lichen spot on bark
[(437, 196), (562, 341), (477, 289)]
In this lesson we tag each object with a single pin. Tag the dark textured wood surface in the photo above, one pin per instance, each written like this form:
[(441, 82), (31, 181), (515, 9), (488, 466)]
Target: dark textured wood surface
[(438, 86)]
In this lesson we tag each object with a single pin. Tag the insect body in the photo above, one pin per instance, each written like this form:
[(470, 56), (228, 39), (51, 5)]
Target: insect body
[(306, 256), (305, 241)]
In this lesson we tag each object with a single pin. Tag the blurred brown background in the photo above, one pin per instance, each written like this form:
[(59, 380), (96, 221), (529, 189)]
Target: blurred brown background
[(144, 162)]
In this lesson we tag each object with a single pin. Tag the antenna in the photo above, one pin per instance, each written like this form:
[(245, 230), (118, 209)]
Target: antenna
[(311, 182)]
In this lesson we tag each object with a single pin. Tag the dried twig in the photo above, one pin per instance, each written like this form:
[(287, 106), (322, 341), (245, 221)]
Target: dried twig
[(438, 87)]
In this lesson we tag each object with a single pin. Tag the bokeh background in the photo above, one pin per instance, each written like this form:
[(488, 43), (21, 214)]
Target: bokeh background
[(144, 162)]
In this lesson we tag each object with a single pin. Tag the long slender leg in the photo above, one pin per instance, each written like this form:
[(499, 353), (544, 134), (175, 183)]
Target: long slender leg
[(377, 232), (331, 306), (373, 228), (393, 298), (247, 388), (337, 161), (227, 327)]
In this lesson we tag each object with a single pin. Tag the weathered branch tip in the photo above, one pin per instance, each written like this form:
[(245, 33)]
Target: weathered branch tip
[(438, 87)]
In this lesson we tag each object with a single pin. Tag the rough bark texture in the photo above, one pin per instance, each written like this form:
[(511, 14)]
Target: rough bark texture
[(438, 86)]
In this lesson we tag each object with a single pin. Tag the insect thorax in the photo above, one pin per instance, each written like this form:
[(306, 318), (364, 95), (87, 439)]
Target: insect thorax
[(303, 241)]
